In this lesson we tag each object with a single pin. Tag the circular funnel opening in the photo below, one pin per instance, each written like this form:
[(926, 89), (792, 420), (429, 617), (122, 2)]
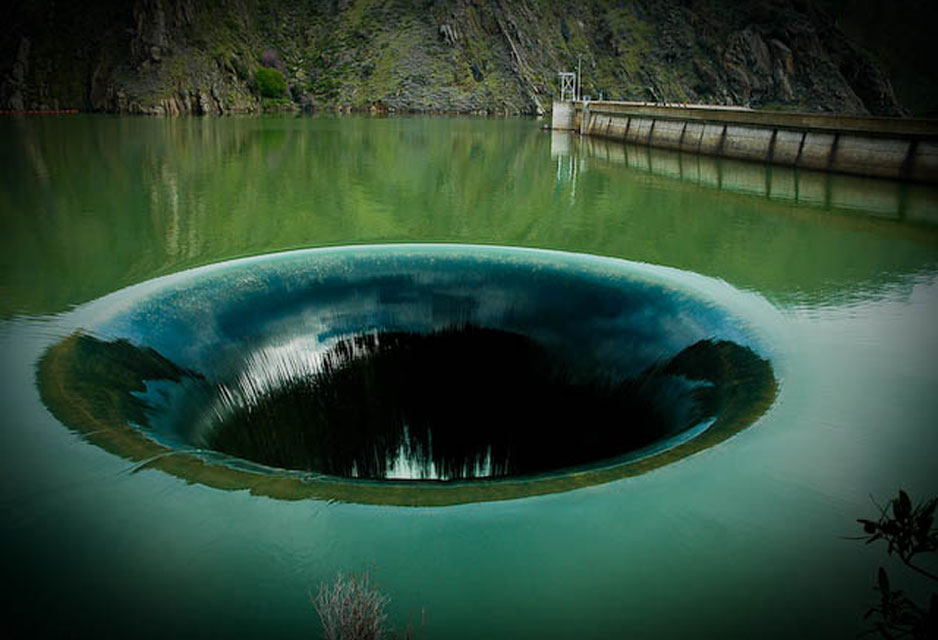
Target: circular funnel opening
[(476, 372)]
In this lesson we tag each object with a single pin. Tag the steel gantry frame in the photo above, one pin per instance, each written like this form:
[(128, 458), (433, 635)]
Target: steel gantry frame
[(567, 86)]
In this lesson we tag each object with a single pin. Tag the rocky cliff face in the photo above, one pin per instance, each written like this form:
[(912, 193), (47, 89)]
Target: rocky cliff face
[(493, 56)]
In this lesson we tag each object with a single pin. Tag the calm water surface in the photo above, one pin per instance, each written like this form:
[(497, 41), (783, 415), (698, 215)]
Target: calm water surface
[(740, 540)]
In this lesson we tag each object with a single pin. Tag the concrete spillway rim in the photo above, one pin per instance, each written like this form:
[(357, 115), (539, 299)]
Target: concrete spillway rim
[(223, 472)]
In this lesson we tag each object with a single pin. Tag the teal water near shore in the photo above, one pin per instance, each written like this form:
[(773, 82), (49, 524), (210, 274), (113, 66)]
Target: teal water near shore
[(740, 540)]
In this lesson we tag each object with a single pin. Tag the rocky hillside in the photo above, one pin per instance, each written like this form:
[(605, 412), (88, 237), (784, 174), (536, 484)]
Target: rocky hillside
[(492, 56)]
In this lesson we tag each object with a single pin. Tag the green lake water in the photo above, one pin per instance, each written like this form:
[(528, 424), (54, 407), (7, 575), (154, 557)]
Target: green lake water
[(838, 275)]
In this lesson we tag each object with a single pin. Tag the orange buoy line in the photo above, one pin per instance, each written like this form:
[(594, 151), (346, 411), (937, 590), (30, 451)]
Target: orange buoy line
[(34, 112)]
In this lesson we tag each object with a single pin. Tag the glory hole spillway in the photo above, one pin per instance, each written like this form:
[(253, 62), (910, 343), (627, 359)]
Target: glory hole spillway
[(532, 371), (540, 386)]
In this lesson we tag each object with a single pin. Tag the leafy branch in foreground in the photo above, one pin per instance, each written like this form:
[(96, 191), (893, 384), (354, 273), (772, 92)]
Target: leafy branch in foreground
[(909, 533)]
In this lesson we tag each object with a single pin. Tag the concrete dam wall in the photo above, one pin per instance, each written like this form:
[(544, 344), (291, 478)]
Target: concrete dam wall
[(895, 148)]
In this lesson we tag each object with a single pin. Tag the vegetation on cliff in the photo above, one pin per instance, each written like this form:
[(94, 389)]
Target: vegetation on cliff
[(270, 83), (491, 56)]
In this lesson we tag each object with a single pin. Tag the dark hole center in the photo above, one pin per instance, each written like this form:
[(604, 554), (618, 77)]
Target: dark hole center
[(462, 403)]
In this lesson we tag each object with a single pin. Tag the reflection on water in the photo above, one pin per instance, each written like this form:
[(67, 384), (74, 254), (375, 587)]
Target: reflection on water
[(827, 191), (92, 205), (445, 363)]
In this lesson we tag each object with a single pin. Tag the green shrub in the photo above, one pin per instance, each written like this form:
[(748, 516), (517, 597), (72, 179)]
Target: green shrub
[(270, 82)]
